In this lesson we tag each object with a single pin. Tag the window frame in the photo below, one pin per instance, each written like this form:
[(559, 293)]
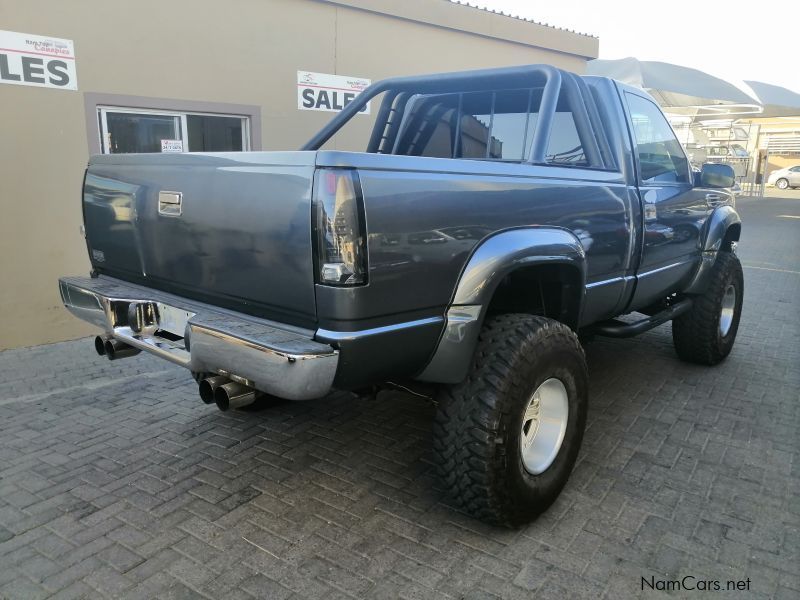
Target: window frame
[(91, 100), (103, 110), (641, 182)]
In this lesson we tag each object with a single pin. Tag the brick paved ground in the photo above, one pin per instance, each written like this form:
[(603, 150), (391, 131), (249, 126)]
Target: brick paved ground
[(116, 481)]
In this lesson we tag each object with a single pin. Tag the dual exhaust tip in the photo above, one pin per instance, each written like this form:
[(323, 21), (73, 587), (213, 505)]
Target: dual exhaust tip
[(226, 394), (113, 349)]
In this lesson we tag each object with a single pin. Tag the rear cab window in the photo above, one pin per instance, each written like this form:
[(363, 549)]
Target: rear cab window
[(497, 125)]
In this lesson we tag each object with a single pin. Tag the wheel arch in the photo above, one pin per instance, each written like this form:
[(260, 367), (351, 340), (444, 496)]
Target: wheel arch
[(724, 228), (723, 225), (515, 255), (732, 234)]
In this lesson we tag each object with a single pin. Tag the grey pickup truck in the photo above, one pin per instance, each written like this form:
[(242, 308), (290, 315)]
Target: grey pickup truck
[(494, 217)]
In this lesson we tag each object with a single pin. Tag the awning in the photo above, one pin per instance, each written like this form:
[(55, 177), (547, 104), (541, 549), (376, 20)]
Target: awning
[(777, 101), (679, 90)]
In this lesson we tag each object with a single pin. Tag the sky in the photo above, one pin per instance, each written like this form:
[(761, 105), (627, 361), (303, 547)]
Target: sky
[(731, 39)]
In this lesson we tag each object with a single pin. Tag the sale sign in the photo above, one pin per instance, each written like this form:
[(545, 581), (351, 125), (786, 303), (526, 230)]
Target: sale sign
[(36, 60)]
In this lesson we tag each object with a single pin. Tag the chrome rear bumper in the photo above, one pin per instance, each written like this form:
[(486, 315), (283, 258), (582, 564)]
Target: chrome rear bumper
[(275, 358)]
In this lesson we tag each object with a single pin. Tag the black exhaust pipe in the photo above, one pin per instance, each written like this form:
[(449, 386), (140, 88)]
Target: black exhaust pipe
[(209, 385), (100, 345), (233, 395), (116, 349)]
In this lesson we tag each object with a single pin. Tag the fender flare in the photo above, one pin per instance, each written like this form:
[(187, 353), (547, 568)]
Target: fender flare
[(719, 223), (493, 259), (721, 220)]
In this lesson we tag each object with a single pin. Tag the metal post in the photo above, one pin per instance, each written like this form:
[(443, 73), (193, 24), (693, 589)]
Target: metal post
[(750, 169)]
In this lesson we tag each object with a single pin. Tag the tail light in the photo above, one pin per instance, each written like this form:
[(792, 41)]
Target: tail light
[(341, 237)]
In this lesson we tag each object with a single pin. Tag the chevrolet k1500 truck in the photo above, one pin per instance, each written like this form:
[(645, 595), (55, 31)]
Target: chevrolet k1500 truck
[(494, 216)]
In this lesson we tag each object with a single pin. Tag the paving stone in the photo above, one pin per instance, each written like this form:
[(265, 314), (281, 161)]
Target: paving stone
[(23, 589), (120, 558)]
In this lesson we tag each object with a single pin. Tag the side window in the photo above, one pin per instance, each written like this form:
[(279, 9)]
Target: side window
[(661, 158)]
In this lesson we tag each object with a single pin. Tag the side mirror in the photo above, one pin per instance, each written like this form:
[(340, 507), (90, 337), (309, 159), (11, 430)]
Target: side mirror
[(714, 175)]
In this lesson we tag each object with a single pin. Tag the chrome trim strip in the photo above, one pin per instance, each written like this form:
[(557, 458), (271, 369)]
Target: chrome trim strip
[(662, 269), (328, 336), (605, 282), (282, 362)]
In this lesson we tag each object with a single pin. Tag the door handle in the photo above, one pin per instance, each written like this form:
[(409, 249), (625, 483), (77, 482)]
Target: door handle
[(170, 204)]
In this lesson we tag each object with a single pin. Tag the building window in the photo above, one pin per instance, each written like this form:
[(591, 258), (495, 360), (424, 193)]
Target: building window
[(126, 130)]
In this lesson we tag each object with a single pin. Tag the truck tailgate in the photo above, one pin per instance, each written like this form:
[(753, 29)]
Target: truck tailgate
[(232, 229)]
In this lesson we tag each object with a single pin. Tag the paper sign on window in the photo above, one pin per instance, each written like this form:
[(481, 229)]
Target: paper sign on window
[(172, 145)]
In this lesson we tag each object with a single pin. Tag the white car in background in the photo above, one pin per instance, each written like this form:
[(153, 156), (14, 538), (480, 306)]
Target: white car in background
[(783, 179)]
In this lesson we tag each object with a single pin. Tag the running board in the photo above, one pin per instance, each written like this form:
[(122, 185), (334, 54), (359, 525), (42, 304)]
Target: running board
[(620, 329)]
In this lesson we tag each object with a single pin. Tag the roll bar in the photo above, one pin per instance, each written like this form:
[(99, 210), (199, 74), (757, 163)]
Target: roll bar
[(553, 82)]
